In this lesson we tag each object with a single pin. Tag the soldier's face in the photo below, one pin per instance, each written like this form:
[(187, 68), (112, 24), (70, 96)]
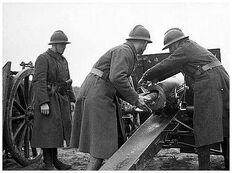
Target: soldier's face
[(173, 47), (142, 47), (60, 48)]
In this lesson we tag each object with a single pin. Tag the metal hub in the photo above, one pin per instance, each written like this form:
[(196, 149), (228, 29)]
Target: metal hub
[(29, 114)]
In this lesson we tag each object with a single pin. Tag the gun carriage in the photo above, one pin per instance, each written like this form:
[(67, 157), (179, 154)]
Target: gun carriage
[(18, 114)]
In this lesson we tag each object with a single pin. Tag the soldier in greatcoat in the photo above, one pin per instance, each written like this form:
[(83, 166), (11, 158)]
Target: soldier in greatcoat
[(54, 99), (210, 86), (97, 122)]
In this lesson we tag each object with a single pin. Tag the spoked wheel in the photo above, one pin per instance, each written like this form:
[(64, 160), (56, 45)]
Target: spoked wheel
[(19, 119)]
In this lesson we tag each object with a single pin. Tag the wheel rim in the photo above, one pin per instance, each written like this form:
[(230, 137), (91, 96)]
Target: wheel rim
[(19, 119)]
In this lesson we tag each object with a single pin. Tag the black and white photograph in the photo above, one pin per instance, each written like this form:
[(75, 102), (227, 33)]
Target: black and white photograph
[(96, 85)]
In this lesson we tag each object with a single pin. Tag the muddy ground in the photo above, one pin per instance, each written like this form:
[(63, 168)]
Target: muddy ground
[(166, 159)]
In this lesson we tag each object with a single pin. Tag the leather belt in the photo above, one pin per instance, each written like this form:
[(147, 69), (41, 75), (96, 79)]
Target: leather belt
[(207, 67), (62, 87)]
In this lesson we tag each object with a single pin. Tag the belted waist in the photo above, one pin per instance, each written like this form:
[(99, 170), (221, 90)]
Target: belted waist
[(207, 67), (62, 87), (99, 73)]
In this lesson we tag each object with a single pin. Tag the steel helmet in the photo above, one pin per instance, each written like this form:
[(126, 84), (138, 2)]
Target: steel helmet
[(139, 33), (173, 35), (59, 37)]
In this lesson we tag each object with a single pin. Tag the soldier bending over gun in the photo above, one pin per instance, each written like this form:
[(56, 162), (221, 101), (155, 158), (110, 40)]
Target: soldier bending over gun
[(211, 91), (97, 126)]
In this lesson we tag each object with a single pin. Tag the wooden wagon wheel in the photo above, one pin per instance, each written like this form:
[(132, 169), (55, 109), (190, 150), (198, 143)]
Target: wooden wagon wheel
[(18, 121)]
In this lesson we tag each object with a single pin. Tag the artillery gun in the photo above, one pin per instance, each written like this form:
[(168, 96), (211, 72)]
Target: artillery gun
[(18, 114), (169, 126)]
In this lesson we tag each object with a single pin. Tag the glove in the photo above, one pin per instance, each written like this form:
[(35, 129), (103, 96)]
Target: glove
[(142, 105)]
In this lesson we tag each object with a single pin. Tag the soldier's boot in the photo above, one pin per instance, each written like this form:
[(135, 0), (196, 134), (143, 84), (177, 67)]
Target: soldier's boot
[(94, 163), (47, 159), (58, 164), (204, 157), (226, 153)]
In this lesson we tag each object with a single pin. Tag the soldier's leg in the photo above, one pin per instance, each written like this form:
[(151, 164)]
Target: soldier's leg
[(47, 159), (58, 164), (203, 157), (94, 163), (226, 153)]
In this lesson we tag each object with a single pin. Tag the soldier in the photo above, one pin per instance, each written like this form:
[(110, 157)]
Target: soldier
[(53, 94), (97, 126), (211, 91)]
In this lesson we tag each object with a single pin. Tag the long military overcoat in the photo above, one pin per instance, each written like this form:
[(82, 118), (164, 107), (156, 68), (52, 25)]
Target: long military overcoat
[(50, 131), (211, 90), (97, 121)]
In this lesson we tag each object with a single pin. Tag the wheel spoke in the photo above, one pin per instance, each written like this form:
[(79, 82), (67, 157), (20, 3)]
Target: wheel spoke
[(18, 130), (29, 95), (21, 96), (34, 150), (18, 117), (18, 107), (26, 89), (21, 141), (26, 143)]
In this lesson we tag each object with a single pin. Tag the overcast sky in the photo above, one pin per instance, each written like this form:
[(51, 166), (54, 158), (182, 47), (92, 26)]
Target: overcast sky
[(93, 28)]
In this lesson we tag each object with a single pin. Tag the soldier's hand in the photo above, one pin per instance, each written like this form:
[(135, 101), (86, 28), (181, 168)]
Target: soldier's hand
[(72, 106), (147, 98), (44, 108), (141, 81), (142, 105)]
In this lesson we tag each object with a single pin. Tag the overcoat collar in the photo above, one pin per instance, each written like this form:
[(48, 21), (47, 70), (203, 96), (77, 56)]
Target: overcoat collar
[(128, 43), (55, 55)]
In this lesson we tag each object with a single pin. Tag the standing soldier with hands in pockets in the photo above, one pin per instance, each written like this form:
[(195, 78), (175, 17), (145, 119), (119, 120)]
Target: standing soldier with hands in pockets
[(54, 101), (97, 126)]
